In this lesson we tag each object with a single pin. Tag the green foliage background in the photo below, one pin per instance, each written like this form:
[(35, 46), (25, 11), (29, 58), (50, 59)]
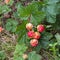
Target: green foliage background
[(45, 12)]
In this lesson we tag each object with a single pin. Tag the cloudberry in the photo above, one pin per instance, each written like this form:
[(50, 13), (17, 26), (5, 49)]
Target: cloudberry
[(37, 35), (34, 42), (29, 26), (40, 28), (30, 34)]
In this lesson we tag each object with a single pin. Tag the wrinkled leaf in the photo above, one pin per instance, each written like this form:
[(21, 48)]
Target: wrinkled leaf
[(34, 56)]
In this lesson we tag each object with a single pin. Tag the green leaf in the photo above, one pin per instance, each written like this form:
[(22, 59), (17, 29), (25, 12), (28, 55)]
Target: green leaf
[(18, 58), (51, 10), (37, 17), (51, 13), (58, 8), (34, 56), (58, 38), (32, 10), (51, 19), (4, 9), (46, 36), (2, 55), (22, 12), (11, 2), (51, 1), (21, 30), (11, 25), (19, 51), (56, 26), (44, 41), (22, 38)]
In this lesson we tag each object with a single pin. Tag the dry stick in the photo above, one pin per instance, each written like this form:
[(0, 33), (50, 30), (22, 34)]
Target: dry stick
[(11, 36), (8, 34)]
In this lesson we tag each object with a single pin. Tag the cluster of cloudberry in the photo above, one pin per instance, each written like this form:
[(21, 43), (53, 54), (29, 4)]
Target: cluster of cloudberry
[(34, 36)]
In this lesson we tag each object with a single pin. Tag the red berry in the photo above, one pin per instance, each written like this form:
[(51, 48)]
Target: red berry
[(37, 35), (29, 26), (34, 42), (40, 28), (7, 1), (1, 29), (30, 34)]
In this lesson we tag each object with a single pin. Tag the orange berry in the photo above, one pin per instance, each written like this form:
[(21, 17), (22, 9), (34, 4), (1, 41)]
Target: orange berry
[(1, 29), (7, 1), (34, 42), (37, 35), (29, 26)]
